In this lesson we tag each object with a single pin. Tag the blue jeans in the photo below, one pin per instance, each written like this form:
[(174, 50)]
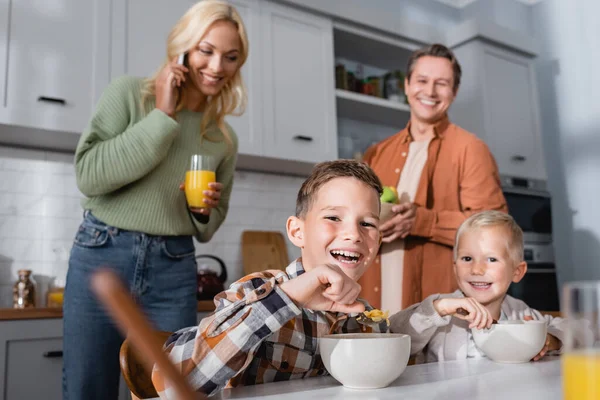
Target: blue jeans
[(160, 272)]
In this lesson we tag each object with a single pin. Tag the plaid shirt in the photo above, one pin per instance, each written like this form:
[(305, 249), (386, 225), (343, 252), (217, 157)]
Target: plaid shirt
[(256, 335)]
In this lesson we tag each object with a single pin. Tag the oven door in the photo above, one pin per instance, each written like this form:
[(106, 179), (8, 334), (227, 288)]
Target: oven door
[(538, 288)]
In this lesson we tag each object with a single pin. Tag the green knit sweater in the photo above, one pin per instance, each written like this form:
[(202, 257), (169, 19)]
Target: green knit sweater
[(129, 163)]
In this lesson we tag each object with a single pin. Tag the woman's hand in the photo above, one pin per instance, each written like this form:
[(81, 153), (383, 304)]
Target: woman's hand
[(211, 198), (168, 80), (400, 225)]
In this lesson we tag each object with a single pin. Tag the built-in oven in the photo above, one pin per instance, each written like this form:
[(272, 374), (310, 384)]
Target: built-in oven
[(529, 203)]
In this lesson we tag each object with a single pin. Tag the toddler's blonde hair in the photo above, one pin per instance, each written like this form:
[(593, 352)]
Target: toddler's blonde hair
[(490, 219)]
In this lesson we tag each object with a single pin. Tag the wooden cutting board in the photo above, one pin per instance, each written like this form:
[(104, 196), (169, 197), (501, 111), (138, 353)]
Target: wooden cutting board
[(263, 250)]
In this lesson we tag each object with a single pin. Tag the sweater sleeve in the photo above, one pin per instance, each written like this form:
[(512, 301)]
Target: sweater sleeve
[(420, 321), (479, 190), (113, 152), (225, 175), (223, 344)]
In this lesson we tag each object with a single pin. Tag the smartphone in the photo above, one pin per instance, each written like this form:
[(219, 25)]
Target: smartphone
[(181, 59)]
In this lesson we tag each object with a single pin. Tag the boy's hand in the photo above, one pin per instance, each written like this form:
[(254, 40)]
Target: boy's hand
[(478, 316), (325, 288), (552, 343)]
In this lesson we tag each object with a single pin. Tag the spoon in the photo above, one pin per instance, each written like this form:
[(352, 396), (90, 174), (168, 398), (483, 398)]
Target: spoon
[(362, 318), (464, 312)]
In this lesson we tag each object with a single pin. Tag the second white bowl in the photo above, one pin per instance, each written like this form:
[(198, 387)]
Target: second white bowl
[(511, 341)]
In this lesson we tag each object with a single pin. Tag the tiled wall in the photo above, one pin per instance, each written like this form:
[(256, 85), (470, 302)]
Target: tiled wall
[(40, 212)]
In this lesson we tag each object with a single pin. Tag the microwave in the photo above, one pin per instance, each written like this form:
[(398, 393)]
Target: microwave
[(529, 203)]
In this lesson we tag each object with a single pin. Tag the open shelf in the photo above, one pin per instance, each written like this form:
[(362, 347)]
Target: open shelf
[(371, 48), (370, 109)]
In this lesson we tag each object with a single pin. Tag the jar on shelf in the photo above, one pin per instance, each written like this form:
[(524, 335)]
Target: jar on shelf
[(54, 297), (24, 290)]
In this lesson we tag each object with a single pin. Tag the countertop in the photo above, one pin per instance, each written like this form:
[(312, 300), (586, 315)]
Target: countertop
[(7, 314), (472, 379)]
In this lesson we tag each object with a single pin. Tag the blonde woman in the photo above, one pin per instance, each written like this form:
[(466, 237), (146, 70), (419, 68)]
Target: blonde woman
[(129, 163)]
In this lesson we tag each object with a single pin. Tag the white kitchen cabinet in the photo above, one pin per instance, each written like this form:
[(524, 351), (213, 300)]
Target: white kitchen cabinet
[(498, 101), (54, 62), (31, 360), (139, 49), (298, 81)]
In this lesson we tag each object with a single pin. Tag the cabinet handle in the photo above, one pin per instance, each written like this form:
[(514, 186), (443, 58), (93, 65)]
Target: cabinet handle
[(53, 354), (518, 158), (303, 138), (55, 100)]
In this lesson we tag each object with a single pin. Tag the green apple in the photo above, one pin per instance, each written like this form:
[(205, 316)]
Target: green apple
[(389, 195)]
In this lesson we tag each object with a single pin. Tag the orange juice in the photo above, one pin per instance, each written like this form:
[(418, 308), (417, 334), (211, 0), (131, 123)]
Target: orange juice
[(195, 183), (581, 375)]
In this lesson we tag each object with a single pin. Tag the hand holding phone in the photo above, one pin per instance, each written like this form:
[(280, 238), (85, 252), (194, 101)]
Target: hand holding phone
[(169, 83)]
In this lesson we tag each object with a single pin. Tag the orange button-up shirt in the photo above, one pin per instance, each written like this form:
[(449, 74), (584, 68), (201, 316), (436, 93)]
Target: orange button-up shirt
[(460, 178)]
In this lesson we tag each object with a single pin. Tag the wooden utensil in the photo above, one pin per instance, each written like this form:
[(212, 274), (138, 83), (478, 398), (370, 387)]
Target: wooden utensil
[(129, 318), (262, 250)]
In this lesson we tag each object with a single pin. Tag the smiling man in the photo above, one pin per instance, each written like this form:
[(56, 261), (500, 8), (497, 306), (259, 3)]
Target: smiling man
[(442, 173)]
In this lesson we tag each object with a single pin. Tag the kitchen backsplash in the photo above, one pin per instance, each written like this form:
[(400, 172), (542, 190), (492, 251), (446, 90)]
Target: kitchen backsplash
[(40, 211)]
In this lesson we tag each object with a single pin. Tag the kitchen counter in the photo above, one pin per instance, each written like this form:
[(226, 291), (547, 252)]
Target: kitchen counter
[(472, 379), (8, 314)]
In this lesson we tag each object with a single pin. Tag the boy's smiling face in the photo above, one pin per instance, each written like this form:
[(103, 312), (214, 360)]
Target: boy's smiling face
[(484, 267), (341, 227)]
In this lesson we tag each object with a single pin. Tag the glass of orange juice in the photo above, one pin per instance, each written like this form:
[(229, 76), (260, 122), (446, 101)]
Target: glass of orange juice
[(197, 178), (581, 347)]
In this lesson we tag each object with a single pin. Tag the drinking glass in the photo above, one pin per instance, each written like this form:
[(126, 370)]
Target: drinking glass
[(581, 347), (197, 178)]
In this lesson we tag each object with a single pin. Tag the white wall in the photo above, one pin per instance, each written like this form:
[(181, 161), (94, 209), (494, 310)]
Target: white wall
[(40, 212), (568, 77)]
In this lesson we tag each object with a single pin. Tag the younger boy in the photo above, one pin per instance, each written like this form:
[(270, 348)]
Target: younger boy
[(266, 325), (488, 256)]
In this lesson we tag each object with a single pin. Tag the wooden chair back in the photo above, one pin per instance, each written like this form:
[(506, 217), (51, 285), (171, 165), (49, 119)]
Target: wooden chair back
[(135, 373)]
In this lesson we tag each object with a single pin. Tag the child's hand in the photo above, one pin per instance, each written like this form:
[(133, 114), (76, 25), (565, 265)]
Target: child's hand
[(324, 288), (478, 316), (552, 343)]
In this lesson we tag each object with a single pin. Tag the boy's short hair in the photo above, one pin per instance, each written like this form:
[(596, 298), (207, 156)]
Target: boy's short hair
[(492, 218), (328, 170)]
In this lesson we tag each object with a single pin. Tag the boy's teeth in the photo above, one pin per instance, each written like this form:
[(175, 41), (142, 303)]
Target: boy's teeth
[(346, 253)]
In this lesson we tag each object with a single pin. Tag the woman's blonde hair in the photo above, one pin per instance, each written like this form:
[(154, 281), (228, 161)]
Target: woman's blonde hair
[(490, 219), (186, 34)]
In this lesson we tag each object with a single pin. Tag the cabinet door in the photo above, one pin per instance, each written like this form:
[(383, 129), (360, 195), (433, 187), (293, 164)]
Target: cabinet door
[(248, 125), (57, 62), (34, 369), (511, 112), (298, 82), (139, 49)]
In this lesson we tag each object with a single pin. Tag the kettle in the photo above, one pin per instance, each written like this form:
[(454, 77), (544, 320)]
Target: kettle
[(209, 283)]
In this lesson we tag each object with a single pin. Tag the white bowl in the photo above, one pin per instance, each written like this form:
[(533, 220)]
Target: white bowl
[(511, 341), (386, 212), (365, 360)]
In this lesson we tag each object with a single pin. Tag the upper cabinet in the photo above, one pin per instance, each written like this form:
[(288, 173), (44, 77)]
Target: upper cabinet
[(54, 62), (498, 101), (288, 73), (298, 83)]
